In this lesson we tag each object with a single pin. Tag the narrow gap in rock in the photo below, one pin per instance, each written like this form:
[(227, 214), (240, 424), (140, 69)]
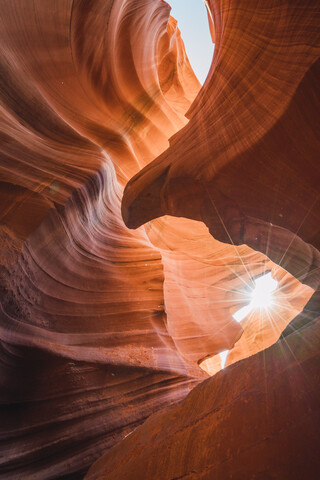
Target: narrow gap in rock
[(193, 22)]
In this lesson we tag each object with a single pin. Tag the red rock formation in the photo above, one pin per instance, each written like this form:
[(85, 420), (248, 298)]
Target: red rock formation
[(259, 418), (241, 165), (85, 351), (100, 325), (251, 158), (247, 166)]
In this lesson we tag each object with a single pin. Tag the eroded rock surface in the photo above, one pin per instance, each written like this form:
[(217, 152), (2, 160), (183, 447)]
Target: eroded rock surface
[(85, 351), (260, 418), (101, 326)]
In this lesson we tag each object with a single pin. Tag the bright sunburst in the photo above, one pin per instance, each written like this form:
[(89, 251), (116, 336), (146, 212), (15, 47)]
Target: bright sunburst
[(262, 294), (261, 298)]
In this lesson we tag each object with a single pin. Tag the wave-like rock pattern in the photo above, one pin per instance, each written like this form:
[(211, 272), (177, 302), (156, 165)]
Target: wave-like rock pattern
[(85, 351), (258, 419), (246, 164), (101, 325), (255, 172)]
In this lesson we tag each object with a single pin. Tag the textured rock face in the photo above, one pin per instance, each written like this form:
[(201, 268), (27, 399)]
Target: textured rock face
[(85, 351), (250, 171), (242, 165), (101, 326), (258, 419)]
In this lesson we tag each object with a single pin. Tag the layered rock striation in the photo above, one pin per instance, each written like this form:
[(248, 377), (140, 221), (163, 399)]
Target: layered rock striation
[(85, 351), (101, 326), (257, 419)]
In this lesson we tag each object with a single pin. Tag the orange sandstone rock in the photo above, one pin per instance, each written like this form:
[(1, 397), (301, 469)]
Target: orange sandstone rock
[(101, 326)]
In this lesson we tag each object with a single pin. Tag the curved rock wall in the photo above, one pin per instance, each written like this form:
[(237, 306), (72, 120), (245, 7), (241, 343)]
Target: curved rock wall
[(258, 419), (246, 164), (85, 351), (101, 325), (247, 169)]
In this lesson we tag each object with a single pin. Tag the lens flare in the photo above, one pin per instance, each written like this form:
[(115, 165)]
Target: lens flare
[(262, 294), (261, 299)]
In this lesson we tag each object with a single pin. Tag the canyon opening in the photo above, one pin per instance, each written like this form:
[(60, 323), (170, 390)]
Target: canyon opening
[(193, 18)]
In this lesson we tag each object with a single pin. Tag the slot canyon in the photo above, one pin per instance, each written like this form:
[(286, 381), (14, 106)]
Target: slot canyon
[(159, 242)]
